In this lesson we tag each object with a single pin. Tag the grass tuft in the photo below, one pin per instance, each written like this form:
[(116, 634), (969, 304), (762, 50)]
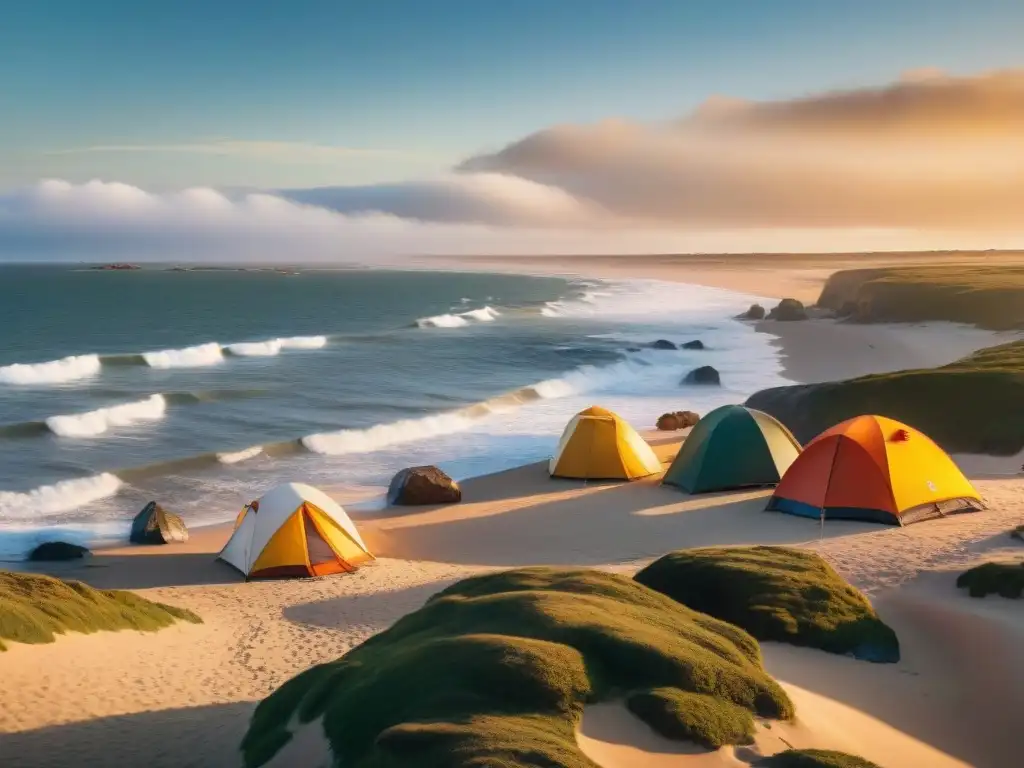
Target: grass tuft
[(813, 758), (1003, 579), (495, 671), (775, 593), (35, 608)]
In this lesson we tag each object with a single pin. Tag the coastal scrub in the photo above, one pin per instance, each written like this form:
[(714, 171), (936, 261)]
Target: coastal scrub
[(969, 406), (496, 670), (35, 608), (775, 593)]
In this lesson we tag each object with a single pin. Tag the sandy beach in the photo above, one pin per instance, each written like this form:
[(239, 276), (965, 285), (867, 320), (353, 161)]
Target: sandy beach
[(183, 696)]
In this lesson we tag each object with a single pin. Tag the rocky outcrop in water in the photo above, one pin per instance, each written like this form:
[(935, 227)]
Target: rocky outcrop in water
[(58, 550), (706, 374), (788, 310)]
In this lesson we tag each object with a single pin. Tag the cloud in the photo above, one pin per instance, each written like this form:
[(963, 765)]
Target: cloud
[(930, 150), (283, 151), (931, 161), (482, 198), (57, 219)]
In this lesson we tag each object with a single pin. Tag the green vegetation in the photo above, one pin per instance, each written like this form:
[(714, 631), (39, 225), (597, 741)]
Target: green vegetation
[(1004, 579), (969, 406), (696, 717), (814, 758), (495, 671), (775, 593), (987, 296), (34, 608)]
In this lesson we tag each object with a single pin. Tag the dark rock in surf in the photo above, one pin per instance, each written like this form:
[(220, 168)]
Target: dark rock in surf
[(695, 344), (788, 310), (756, 312), (58, 550), (663, 344), (706, 374), (423, 485)]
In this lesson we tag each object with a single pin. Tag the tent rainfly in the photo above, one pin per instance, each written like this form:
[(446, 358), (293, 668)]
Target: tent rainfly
[(599, 445), (733, 447), (294, 530), (876, 469)]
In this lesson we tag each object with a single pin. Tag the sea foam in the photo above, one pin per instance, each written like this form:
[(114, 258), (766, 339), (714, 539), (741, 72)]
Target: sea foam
[(99, 421), (57, 498), (52, 372)]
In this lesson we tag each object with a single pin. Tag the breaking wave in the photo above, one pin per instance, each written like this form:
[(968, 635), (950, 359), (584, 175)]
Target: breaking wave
[(59, 497), (187, 357), (482, 315), (97, 422), (53, 372), (580, 380), (234, 457), (274, 346)]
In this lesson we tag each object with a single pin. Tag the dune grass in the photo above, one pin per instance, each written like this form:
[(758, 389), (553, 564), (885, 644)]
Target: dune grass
[(1003, 579), (495, 671), (969, 406), (35, 608), (813, 758), (990, 296), (775, 593)]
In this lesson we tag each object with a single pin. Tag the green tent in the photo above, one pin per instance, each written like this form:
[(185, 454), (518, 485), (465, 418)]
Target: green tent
[(733, 447), (155, 525)]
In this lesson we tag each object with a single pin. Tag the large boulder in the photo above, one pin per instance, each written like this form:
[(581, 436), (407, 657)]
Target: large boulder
[(155, 525), (669, 422), (423, 485), (663, 344), (58, 550), (788, 310), (695, 344), (756, 312), (706, 374)]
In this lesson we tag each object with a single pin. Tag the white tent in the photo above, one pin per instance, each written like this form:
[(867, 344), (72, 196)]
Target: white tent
[(294, 530)]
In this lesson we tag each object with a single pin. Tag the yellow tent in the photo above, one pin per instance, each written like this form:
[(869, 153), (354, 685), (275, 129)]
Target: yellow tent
[(294, 530), (599, 445)]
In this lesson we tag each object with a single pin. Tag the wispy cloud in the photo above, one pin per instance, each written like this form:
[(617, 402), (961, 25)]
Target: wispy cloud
[(282, 151)]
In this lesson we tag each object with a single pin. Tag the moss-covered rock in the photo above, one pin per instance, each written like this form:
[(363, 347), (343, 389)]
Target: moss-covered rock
[(1004, 579), (696, 717), (495, 671), (814, 758), (34, 608), (775, 593)]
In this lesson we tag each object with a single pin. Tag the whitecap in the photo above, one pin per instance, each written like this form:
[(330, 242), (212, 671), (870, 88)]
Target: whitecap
[(97, 422), (52, 372)]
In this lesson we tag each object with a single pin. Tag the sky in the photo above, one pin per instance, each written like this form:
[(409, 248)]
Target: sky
[(434, 111)]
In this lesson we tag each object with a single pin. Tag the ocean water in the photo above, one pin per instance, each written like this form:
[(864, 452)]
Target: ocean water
[(202, 389)]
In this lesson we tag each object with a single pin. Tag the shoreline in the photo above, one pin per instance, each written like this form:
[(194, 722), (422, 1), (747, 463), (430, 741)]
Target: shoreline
[(100, 699)]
